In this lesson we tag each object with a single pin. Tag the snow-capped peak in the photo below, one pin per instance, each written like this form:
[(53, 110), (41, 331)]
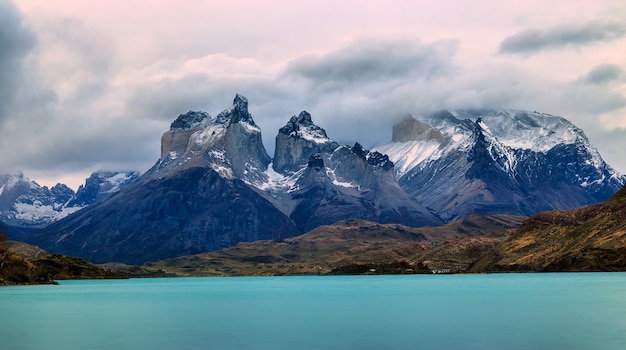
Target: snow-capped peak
[(538, 132), (505, 129), (237, 113), (302, 126)]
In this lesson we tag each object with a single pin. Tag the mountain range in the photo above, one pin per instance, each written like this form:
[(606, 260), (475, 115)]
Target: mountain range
[(215, 185), (24, 203)]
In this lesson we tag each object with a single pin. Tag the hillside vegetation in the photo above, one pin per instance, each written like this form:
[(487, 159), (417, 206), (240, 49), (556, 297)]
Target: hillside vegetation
[(21, 263), (592, 238)]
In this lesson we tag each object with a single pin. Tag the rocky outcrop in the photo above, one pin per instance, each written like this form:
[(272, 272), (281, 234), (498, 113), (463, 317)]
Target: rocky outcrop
[(230, 144), (298, 140)]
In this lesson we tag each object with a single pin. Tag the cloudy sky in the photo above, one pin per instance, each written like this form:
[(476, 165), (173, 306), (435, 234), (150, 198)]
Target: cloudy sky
[(93, 84)]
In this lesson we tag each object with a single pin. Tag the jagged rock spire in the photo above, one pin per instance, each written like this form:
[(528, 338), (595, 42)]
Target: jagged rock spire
[(238, 112), (376, 159), (297, 141), (359, 150), (302, 120)]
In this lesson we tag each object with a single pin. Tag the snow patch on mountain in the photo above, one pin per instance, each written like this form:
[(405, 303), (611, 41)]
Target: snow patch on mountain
[(312, 134), (277, 182), (118, 180), (302, 126), (37, 212), (209, 134), (338, 181), (538, 132), (409, 154)]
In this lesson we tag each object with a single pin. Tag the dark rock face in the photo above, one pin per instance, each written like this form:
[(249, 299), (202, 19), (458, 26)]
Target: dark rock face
[(237, 113), (320, 202), (61, 193), (192, 211), (316, 161), (189, 120), (336, 183), (303, 119)]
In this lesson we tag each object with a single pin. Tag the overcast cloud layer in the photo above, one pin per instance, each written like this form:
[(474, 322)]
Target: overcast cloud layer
[(575, 34), (93, 85)]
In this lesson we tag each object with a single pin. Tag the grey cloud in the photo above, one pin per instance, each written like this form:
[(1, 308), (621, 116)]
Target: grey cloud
[(603, 74), (81, 57), (376, 60), (165, 99), (76, 145), (535, 40), (43, 131), (16, 41)]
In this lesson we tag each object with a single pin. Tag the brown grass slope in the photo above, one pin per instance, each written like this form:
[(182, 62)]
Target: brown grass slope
[(591, 238), (351, 243)]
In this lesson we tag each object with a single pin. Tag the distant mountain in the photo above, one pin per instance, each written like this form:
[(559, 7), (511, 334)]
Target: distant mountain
[(498, 161), (101, 185), (591, 238), (24, 203), (215, 185)]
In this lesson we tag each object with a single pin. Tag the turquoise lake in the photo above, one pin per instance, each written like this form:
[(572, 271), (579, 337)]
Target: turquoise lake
[(495, 311)]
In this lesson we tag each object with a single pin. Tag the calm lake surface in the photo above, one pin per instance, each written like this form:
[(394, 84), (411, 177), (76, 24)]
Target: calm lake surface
[(498, 311)]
